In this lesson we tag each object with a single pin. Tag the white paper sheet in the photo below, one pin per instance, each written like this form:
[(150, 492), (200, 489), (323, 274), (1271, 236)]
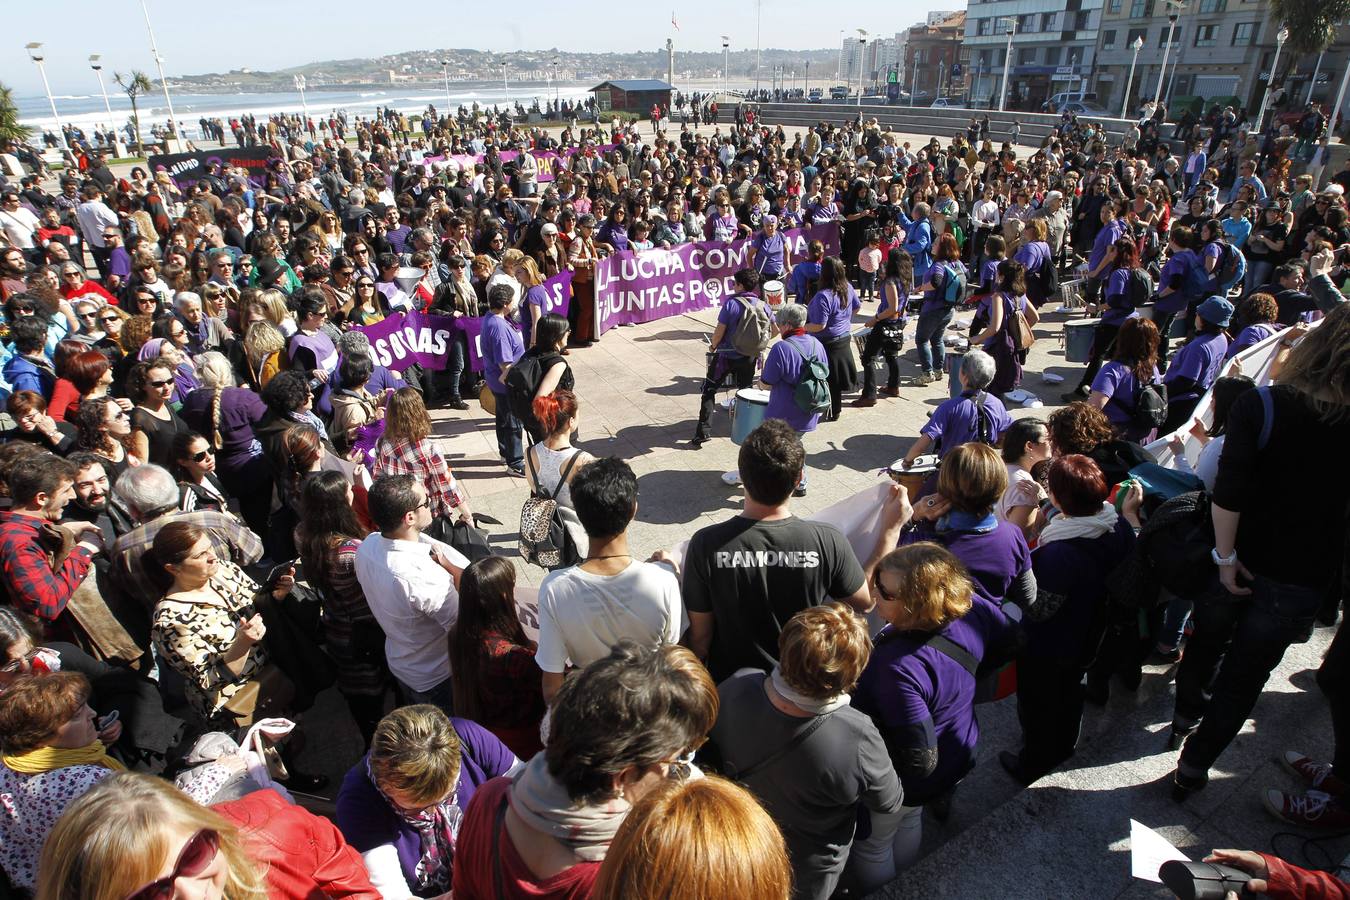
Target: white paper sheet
[(1148, 851)]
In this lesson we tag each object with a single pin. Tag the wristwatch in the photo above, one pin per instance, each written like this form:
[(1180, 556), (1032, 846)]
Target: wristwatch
[(1229, 560)]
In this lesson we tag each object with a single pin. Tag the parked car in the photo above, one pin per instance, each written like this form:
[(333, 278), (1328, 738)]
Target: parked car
[(1084, 108), (838, 93), (815, 96), (948, 103), (1057, 101)]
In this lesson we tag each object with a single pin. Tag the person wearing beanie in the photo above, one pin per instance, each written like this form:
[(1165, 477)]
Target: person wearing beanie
[(1198, 364)]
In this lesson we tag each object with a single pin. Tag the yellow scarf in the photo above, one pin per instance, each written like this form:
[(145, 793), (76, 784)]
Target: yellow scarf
[(45, 759)]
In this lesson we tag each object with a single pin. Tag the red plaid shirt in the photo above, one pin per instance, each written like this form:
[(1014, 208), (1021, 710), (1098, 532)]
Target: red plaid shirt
[(424, 461), (29, 580)]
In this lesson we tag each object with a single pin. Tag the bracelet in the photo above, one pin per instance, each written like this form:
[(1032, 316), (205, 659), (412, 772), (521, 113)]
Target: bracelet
[(1229, 560)]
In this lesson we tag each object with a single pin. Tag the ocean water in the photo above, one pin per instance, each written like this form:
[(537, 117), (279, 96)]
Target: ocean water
[(88, 110)]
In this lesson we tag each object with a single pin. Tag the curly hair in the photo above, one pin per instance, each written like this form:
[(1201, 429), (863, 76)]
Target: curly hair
[(33, 709), (1079, 427), (138, 379), (135, 332), (934, 587), (90, 419), (286, 393), (1258, 309)]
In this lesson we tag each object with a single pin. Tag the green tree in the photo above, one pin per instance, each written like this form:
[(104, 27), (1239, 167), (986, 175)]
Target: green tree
[(10, 129), (133, 85), (1311, 24)]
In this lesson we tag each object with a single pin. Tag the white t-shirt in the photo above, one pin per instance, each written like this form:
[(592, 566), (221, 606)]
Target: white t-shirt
[(19, 225), (581, 616), (415, 602)]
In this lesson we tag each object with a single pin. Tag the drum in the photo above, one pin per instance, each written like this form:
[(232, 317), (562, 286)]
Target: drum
[(954, 361), (748, 413), (1145, 311), (1078, 338), (916, 475), (773, 293)]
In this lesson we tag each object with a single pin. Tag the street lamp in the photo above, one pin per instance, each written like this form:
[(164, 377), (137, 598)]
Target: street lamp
[(505, 87), (445, 73), (862, 47), (35, 54), (1280, 37), (839, 66), (98, 71), (163, 82), (1007, 63), (1167, 50), (1129, 84), (806, 89), (557, 61), (726, 50)]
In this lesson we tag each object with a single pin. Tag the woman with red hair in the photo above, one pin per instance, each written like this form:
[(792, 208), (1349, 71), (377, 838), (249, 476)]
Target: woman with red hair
[(1065, 625), (91, 373), (551, 463)]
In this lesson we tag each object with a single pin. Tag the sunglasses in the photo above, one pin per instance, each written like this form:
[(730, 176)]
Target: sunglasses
[(196, 856), (881, 591), (203, 456), (108, 320), (160, 384)]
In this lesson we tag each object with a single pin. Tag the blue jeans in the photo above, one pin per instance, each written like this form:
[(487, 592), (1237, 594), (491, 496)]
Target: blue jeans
[(1175, 613), (1237, 642), (1258, 273), (508, 433), (928, 337)]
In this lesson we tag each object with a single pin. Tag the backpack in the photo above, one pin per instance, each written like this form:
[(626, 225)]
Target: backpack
[(754, 331), (954, 286), (1150, 407), (544, 538), (1048, 279), (1018, 329), (1195, 284), (1140, 288), (522, 382), (812, 393), (1231, 269)]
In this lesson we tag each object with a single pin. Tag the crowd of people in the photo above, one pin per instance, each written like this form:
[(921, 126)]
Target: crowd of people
[(219, 504)]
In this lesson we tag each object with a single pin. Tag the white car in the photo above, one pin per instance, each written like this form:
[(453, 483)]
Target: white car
[(946, 103)]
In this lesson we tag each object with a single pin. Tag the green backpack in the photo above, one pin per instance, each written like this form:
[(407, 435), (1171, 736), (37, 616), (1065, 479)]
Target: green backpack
[(812, 394)]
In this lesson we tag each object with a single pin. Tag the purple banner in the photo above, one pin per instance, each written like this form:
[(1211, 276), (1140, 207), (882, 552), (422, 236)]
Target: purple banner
[(416, 337), (653, 284), (407, 338)]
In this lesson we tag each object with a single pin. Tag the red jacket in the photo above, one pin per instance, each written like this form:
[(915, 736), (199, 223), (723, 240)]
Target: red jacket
[(1286, 882), (305, 856)]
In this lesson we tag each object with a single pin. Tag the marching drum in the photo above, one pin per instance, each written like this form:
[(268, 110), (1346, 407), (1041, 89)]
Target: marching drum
[(915, 476), (747, 413), (773, 293), (1078, 338)]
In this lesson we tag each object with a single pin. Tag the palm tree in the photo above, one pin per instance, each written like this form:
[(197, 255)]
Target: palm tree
[(1311, 23), (10, 129), (133, 86)]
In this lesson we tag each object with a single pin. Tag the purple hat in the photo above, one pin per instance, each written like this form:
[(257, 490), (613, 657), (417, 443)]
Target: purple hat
[(151, 349)]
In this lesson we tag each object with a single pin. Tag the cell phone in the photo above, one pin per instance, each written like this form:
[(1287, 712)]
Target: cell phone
[(278, 571), (105, 721)]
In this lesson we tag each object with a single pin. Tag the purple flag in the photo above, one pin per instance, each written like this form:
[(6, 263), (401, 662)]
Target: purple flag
[(654, 284), (407, 338)]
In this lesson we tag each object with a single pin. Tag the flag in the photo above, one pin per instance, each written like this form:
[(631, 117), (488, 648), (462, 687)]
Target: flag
[(672, 20)]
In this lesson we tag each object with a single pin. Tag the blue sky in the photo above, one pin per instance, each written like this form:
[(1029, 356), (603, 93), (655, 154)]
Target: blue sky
[(196, 37)]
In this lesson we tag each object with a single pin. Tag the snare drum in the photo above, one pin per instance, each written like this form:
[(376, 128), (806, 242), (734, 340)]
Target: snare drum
[(860, 339), (748, 413), (917, 475), (773, 293)]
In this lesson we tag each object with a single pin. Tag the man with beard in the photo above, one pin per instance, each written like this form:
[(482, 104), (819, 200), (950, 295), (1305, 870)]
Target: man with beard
[(92, 490)]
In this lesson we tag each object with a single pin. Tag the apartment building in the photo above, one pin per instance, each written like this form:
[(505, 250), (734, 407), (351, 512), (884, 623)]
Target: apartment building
[(1054, 48)]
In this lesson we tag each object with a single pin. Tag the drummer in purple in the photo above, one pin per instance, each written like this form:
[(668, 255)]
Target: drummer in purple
[(783, 370), (725, 361), (973, 415)]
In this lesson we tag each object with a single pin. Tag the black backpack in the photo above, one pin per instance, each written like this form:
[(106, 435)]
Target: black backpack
[(1048, 277), (1150, 407), (522, 383), (1140, 287)]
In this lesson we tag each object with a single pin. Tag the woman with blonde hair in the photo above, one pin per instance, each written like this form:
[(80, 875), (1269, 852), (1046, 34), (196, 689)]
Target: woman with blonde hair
[(264, 347), (534, 300), (919, 686), (135, 837), (407, 449), (277, 311), (792, 738), (705, 839), (226, 415), (401, 805)]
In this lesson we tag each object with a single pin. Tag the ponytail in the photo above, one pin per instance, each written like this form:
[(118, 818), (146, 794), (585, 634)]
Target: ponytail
[(216, 441), (555, 410)]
